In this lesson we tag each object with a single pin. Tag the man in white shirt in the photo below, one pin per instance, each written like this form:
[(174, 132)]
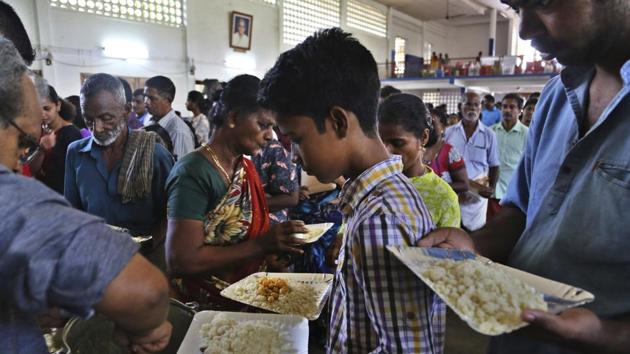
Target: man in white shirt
[(159, 92), (478, 144)]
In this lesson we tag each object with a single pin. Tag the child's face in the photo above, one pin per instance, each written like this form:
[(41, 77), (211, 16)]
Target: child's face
[(401, 142), (320, 154)]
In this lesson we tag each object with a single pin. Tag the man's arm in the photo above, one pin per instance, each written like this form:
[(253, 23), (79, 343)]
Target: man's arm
[(493, 177), (137, 299), (580, 329), (497, 239)]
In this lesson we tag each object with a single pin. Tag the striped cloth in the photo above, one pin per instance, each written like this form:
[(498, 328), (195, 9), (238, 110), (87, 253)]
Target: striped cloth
[(378, 305)]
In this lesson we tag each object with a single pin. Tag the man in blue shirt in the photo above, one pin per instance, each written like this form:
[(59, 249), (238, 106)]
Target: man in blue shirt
[(490, 115), (117, 174), (563, 214), (53, 256), (139, 110)]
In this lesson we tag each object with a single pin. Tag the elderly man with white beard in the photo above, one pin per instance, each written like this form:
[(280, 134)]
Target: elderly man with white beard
[(118, 174), (478, 144)]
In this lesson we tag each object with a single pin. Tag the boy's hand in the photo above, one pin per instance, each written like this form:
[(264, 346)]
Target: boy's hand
[(448, 237)]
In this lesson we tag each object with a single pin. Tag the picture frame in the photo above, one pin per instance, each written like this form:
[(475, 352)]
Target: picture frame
[(241, 31)]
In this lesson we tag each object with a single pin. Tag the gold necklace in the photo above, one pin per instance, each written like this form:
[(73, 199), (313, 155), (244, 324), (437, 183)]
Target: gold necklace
[(216, 161)]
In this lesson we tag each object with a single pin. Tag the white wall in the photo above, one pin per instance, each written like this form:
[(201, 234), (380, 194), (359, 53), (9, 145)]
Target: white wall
[(208, 38), (75, 41), (410, 29), (437, 35), (467, 41)]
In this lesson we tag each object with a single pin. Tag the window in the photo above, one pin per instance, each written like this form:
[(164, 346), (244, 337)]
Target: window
[(367, 18), (524, 48), (302, 18), (399, 56), (269, 2), (427, 52), (163, 12), (449, 97)]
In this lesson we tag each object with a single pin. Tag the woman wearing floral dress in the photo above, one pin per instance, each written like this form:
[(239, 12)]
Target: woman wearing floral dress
[(218, 221)]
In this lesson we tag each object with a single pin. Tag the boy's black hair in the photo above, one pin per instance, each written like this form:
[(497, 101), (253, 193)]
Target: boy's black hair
[(239, 96), (409, 112), (330, 68), (489, 98), (138, 92), (11, 27), (516, 97), (389, 90), (164, 86)]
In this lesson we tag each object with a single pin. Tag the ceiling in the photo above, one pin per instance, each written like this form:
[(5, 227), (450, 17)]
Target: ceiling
[(429, 10)]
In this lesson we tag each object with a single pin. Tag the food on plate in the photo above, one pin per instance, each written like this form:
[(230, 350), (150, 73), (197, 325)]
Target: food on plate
[(487, 297), (286, 296), (224, 335), (272, 288)]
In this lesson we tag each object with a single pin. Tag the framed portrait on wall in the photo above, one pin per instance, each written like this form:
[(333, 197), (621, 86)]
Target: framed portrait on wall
[(241, 31)]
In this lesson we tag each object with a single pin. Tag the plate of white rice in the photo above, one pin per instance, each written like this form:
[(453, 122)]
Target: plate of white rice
[(214, 332), (489, 296)]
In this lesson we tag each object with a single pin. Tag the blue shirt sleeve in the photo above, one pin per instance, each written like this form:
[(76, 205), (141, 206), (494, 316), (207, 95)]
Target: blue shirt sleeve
[(71, 189), (52, 254)]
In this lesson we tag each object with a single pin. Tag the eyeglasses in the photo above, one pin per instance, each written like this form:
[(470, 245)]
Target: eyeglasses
[(27, 142)]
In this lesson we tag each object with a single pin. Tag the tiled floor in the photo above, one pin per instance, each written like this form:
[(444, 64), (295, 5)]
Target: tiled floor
[(461, 339)]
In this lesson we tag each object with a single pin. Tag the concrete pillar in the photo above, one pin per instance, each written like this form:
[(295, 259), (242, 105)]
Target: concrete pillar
[(493, 32)]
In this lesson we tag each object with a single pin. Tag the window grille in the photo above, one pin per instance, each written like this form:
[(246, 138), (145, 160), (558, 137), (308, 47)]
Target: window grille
[(163, 12)]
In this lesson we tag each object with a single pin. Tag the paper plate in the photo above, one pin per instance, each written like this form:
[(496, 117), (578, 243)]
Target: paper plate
[(315, 232), (558, 296), (295, 326), (245, 291)]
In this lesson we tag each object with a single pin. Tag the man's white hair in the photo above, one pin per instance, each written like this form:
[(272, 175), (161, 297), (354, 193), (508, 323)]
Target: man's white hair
[(12, 69), (102, 82)]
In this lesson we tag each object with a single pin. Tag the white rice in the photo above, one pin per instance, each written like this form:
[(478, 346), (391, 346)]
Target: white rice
[(224, 335), (485, 295)]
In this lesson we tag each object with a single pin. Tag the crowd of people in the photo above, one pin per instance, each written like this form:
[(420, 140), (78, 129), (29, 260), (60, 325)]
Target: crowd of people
[(537, 183)]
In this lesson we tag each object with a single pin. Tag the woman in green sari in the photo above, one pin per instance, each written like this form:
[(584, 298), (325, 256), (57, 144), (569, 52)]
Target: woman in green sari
[(218, 220)]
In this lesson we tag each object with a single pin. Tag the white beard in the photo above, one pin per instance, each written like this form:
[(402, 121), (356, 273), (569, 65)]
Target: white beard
[(109, 138)]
